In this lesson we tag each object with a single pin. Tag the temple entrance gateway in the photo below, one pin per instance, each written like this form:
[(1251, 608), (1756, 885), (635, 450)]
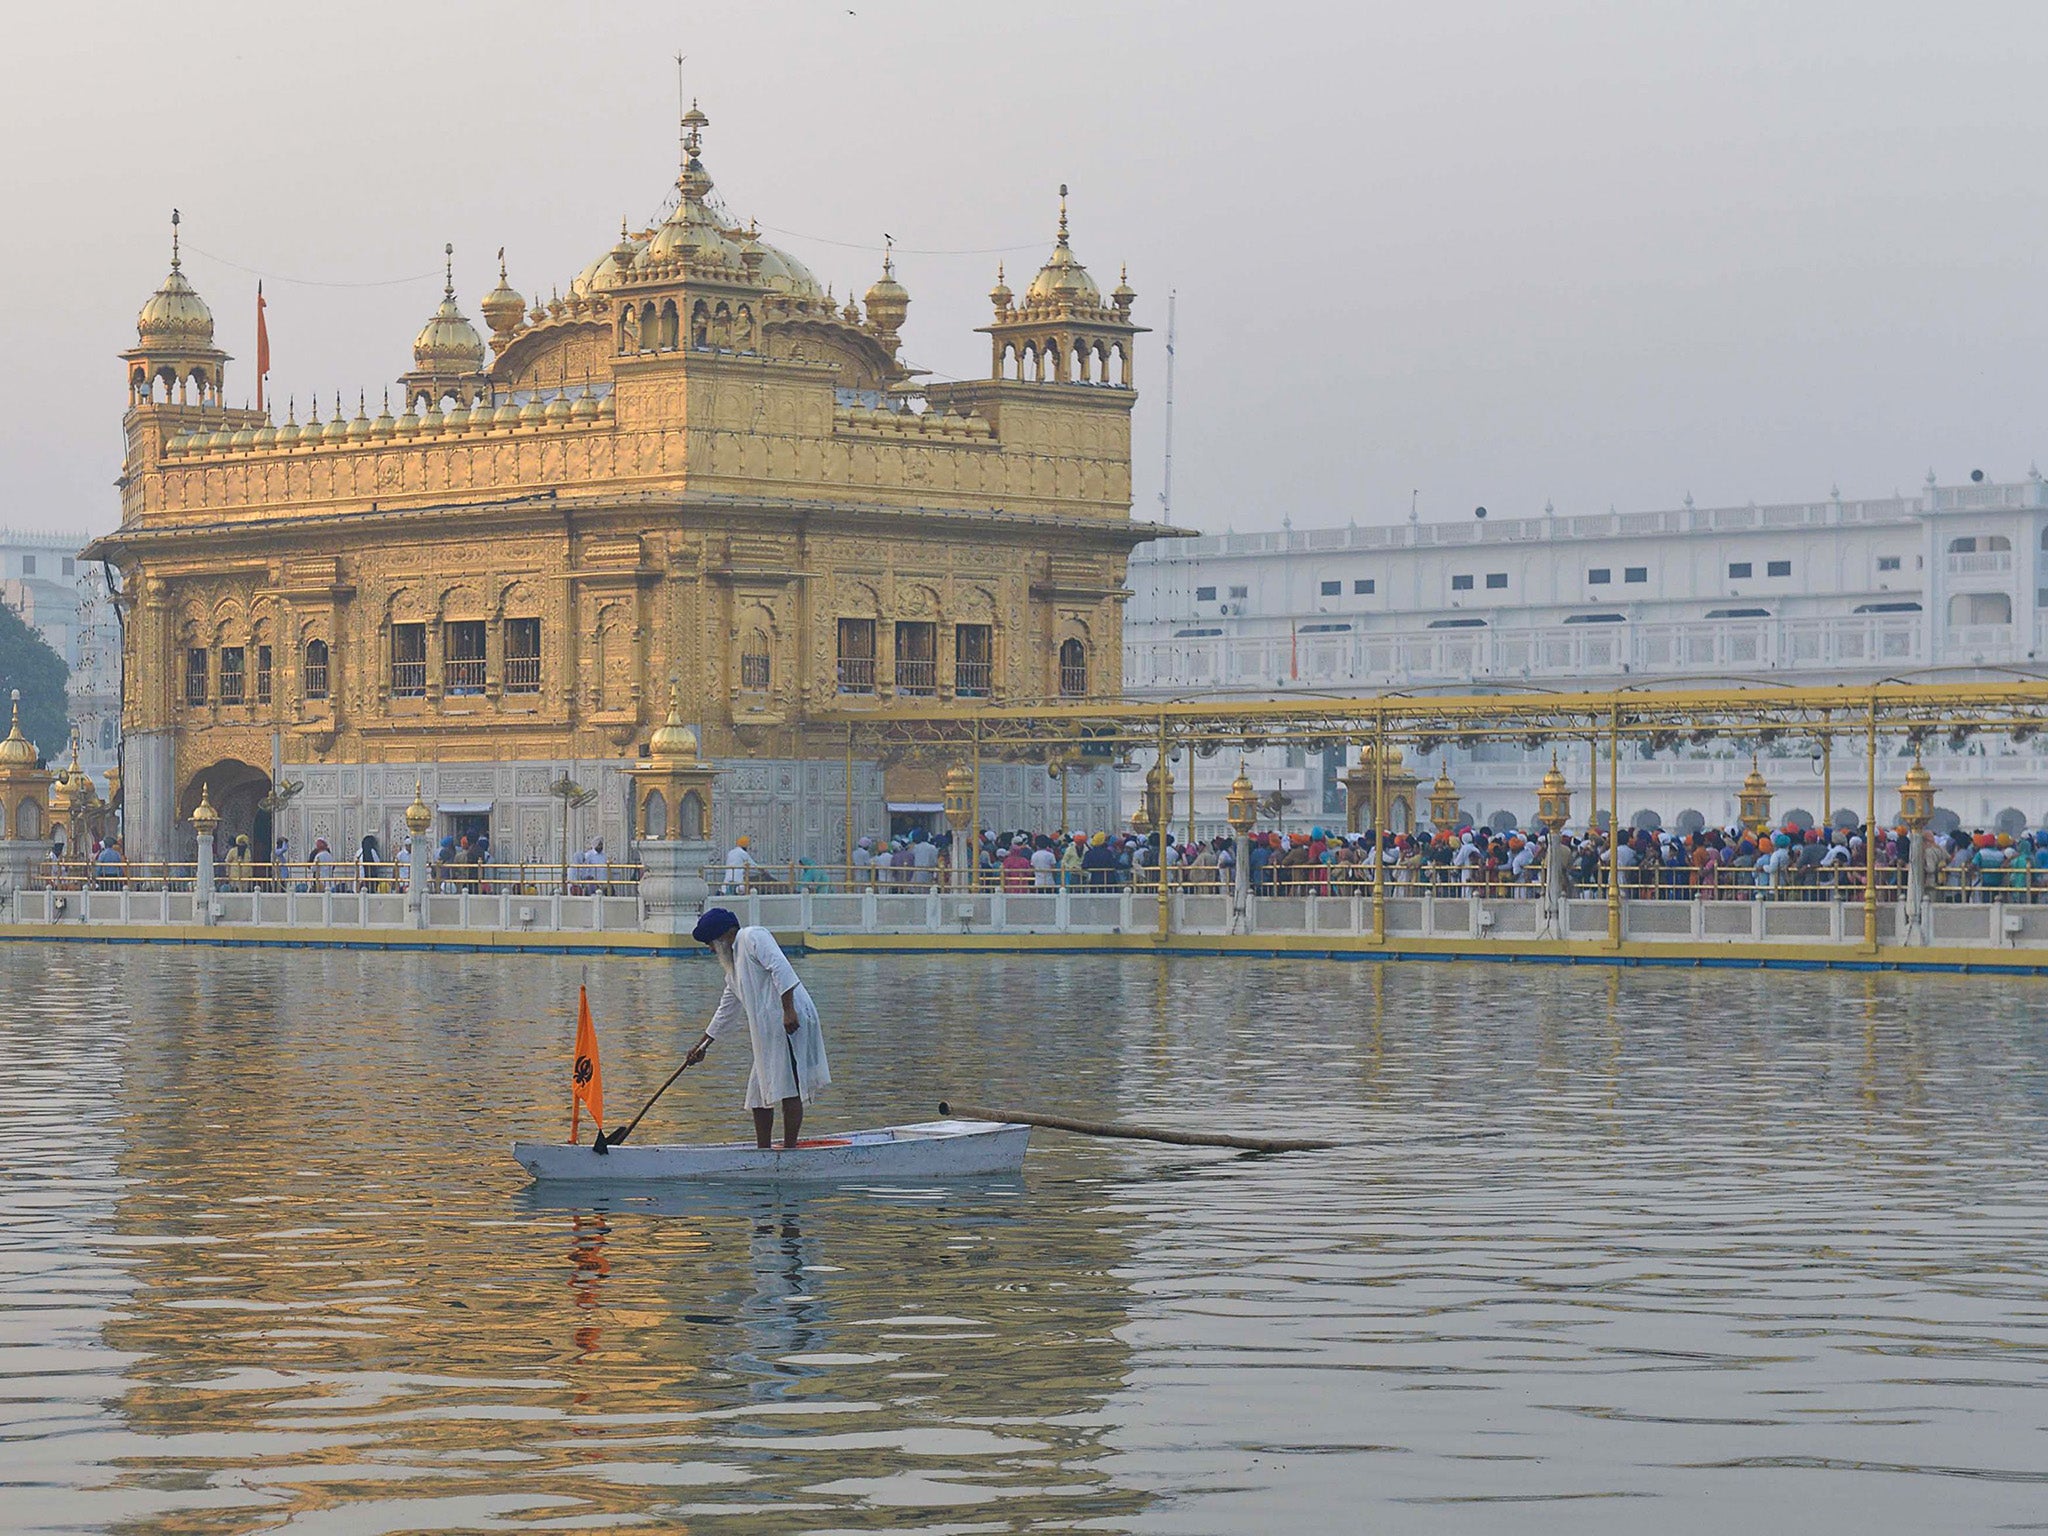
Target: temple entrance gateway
[(237, 790)]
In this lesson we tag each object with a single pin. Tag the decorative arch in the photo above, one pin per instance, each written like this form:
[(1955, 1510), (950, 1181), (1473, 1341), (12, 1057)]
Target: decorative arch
[(28, 819), (1073, 678)]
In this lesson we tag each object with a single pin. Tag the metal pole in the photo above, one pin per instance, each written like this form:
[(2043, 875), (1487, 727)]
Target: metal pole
[(846, 854), (1593, 783), (1870, 835), (1614, 825), (1160, 822), (1064, 828), (1379, 802), (1827, 780)]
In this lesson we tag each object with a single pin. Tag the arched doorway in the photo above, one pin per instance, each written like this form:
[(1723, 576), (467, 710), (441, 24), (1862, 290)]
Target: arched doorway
[(236, 790)]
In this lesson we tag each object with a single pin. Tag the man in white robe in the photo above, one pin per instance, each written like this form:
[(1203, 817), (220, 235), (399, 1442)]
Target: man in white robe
[(762, 990)]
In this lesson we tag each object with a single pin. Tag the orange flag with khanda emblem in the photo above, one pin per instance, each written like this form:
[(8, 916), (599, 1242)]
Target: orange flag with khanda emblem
[(586, 1076)]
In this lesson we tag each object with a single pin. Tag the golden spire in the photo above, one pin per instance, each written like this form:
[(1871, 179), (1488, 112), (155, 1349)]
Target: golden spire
[(174, 240), (17, 750)]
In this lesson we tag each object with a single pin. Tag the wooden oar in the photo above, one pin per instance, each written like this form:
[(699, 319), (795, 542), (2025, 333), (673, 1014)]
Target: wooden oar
[(606, 1140), (1133, 1132)]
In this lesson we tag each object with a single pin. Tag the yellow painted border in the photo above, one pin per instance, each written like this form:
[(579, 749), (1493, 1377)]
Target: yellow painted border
[(1743, 955)]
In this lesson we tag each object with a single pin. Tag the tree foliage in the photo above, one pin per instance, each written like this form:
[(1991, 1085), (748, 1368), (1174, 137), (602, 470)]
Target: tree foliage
[(28, 663)]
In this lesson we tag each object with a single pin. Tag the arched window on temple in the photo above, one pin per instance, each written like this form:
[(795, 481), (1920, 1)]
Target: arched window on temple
[(314, 674), (1073, 670)]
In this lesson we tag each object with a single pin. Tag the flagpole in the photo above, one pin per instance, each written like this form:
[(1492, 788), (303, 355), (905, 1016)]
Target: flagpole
[(262, 345)]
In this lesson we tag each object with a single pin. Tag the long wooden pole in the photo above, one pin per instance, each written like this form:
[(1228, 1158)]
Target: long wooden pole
[(1133, 1132)]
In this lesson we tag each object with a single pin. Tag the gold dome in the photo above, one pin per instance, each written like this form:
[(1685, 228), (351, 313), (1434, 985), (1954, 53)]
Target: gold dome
[(888, 301), (17, 751), (1063, 280), (448, 343), (1553, 780), (175, 318), (1755, 784), (610, 269), (673, 740), (503, 307)]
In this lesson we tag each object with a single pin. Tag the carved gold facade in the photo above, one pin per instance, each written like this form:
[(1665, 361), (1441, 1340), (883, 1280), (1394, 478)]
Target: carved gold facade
[(696, 466)]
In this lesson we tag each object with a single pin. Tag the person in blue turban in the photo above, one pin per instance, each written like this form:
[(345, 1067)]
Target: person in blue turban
[(788, 1039)]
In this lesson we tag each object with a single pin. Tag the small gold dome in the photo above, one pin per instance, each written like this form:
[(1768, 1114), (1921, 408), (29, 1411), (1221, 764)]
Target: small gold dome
[(1063, 280), (1754, 784), (17, 751), (386, 425), (337, 425), (448, 343), (175, 318), (1000, 295), (204, 817), (888, 301), (503, 307), (585, 408), (610, 269), (673, 741)]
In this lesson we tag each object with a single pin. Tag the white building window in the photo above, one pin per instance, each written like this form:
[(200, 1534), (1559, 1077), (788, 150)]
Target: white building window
[(1887, 562), (1205, 594)]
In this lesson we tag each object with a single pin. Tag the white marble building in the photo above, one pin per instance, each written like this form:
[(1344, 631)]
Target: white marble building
[(1947, 583), (64, 600)]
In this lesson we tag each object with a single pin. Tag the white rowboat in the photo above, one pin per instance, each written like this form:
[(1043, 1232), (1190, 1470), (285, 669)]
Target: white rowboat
[(936, 1149)]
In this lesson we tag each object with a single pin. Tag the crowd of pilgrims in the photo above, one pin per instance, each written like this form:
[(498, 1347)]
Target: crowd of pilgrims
[(1730, 863)]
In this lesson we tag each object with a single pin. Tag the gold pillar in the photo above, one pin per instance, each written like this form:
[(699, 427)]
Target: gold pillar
[(1614, 826), (1164, 816), (1916, 797), (1379, 826), (1754, 803), (1870, 836)]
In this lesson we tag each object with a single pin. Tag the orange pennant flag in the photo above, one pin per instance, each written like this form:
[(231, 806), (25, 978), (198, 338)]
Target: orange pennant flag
[(586, 1076)]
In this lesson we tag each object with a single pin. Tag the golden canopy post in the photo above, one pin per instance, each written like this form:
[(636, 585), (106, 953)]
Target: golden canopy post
[(1379, 819), (1614, 825), (1870, 834), (974, 831), (1162, 820)]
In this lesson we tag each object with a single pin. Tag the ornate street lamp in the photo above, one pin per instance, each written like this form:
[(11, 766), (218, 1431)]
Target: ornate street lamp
[(1916, 797), (957, 792), (1443, 800), (1241, 809), (1755, 801), (1553, 799)]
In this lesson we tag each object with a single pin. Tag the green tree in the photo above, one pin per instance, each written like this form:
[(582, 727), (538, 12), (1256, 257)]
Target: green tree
[(28, 663)]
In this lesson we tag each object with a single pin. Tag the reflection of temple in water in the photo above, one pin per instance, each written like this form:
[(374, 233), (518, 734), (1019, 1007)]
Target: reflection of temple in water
[(342, 1296)]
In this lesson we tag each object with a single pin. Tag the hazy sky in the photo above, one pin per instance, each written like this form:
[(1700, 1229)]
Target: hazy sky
[(1496, 253)]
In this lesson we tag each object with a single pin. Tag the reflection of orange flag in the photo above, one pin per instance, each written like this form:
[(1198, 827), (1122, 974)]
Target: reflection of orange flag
[(586, 1077)]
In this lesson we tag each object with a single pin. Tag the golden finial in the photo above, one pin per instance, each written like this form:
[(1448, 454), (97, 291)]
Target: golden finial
[(448, 288), (888, 255), (501, 257), (174, 239), (1063, 213)]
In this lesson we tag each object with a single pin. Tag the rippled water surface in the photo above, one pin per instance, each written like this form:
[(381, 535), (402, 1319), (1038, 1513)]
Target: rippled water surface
[(1616, 1251)]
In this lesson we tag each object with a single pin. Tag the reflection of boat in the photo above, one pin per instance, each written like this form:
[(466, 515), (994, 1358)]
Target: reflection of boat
[(936, 1149)]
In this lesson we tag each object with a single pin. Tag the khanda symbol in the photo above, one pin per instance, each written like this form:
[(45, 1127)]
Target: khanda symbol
[(584, 1071)]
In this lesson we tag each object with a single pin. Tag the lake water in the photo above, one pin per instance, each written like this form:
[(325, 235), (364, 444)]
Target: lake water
[(1617, 1251)]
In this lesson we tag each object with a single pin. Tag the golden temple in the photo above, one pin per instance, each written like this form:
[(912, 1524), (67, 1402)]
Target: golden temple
[(695, 467)]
